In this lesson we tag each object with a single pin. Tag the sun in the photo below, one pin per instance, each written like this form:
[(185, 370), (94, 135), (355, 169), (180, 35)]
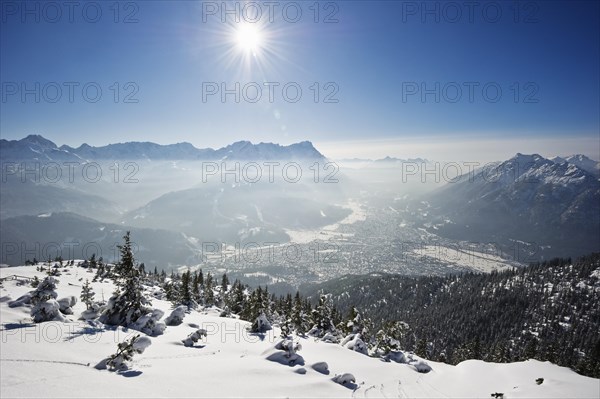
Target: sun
[(248, 38)]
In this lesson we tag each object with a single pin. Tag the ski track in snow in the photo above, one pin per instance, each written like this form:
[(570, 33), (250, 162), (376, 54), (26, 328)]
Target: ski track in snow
[(180, 356), (45, 361)]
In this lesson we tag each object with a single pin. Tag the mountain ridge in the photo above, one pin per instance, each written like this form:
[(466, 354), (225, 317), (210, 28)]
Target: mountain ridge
[(36, 147)]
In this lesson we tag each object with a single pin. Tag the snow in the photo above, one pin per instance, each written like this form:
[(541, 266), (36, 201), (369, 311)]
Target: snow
[(472, 259), (56, 359), (358, 213), (141, 344)]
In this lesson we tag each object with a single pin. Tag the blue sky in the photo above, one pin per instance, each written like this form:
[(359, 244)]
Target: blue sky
[(543, 56)]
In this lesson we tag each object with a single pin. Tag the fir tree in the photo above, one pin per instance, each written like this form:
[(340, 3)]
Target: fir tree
[(390, 336), (35, 282), (300, 319), (421, 349), (196, 288), (321, 316), (208, 290), (224, 283), (87, 295), (128, 302), (125, 352), (185, 292), (43, 299)]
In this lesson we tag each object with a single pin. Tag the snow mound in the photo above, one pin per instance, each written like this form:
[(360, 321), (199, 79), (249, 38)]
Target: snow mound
[(321, 367), (421, 366), (286, 353), (396, 356), (141, 344), (346, 379), (47, 311), (194, 337), (355, 343), (150, 324), (176, 316), (66, 304)]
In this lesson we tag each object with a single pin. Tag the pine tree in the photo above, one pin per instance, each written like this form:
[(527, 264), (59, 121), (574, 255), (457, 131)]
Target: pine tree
[(208, 290), (87, 295), (185, 291), (285, 328), (125, 267), (128, 302), (530, 350), (389, 338), (300, 320), (353, 324), (322, 319), (421, 349), (196, 288), (35, 282), (224, 283), (125, 352), (43, 299), (239, 297)]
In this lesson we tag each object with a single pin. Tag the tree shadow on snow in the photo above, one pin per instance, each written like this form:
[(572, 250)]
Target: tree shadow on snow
[(196, 346), (14, 326), (88, 330), (130, 373), (350, 385), (260, 336)]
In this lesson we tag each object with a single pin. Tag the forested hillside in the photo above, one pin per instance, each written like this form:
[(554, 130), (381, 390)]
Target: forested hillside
[(548, 311)]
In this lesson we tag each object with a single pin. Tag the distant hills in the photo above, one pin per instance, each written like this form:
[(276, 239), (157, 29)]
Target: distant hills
[(74, 236), (36, 147)]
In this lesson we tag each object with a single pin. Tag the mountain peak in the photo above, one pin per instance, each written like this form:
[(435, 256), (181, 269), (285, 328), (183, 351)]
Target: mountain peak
[(38, 140), (527, 157)]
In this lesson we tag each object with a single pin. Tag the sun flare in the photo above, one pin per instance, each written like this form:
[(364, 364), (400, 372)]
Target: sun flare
[(249, 38)]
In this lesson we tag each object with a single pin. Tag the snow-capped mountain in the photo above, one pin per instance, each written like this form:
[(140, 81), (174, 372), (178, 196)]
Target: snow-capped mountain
[(35, 147), (581, 161), (528, 198)]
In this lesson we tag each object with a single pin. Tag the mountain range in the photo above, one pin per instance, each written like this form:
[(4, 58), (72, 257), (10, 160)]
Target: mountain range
[(553, 204), (36, 147)]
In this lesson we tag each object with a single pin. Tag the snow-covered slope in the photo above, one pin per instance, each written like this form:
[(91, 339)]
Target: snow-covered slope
[(581, 161), (528, 198), (55, 359)]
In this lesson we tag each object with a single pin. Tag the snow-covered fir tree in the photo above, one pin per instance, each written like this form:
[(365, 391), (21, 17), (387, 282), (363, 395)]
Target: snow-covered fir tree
[(209, 295), (194, 337), (128, 302), (300, 319), (186, 296), (45, 305), (388, 338), (322, 316), (125, 351)]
